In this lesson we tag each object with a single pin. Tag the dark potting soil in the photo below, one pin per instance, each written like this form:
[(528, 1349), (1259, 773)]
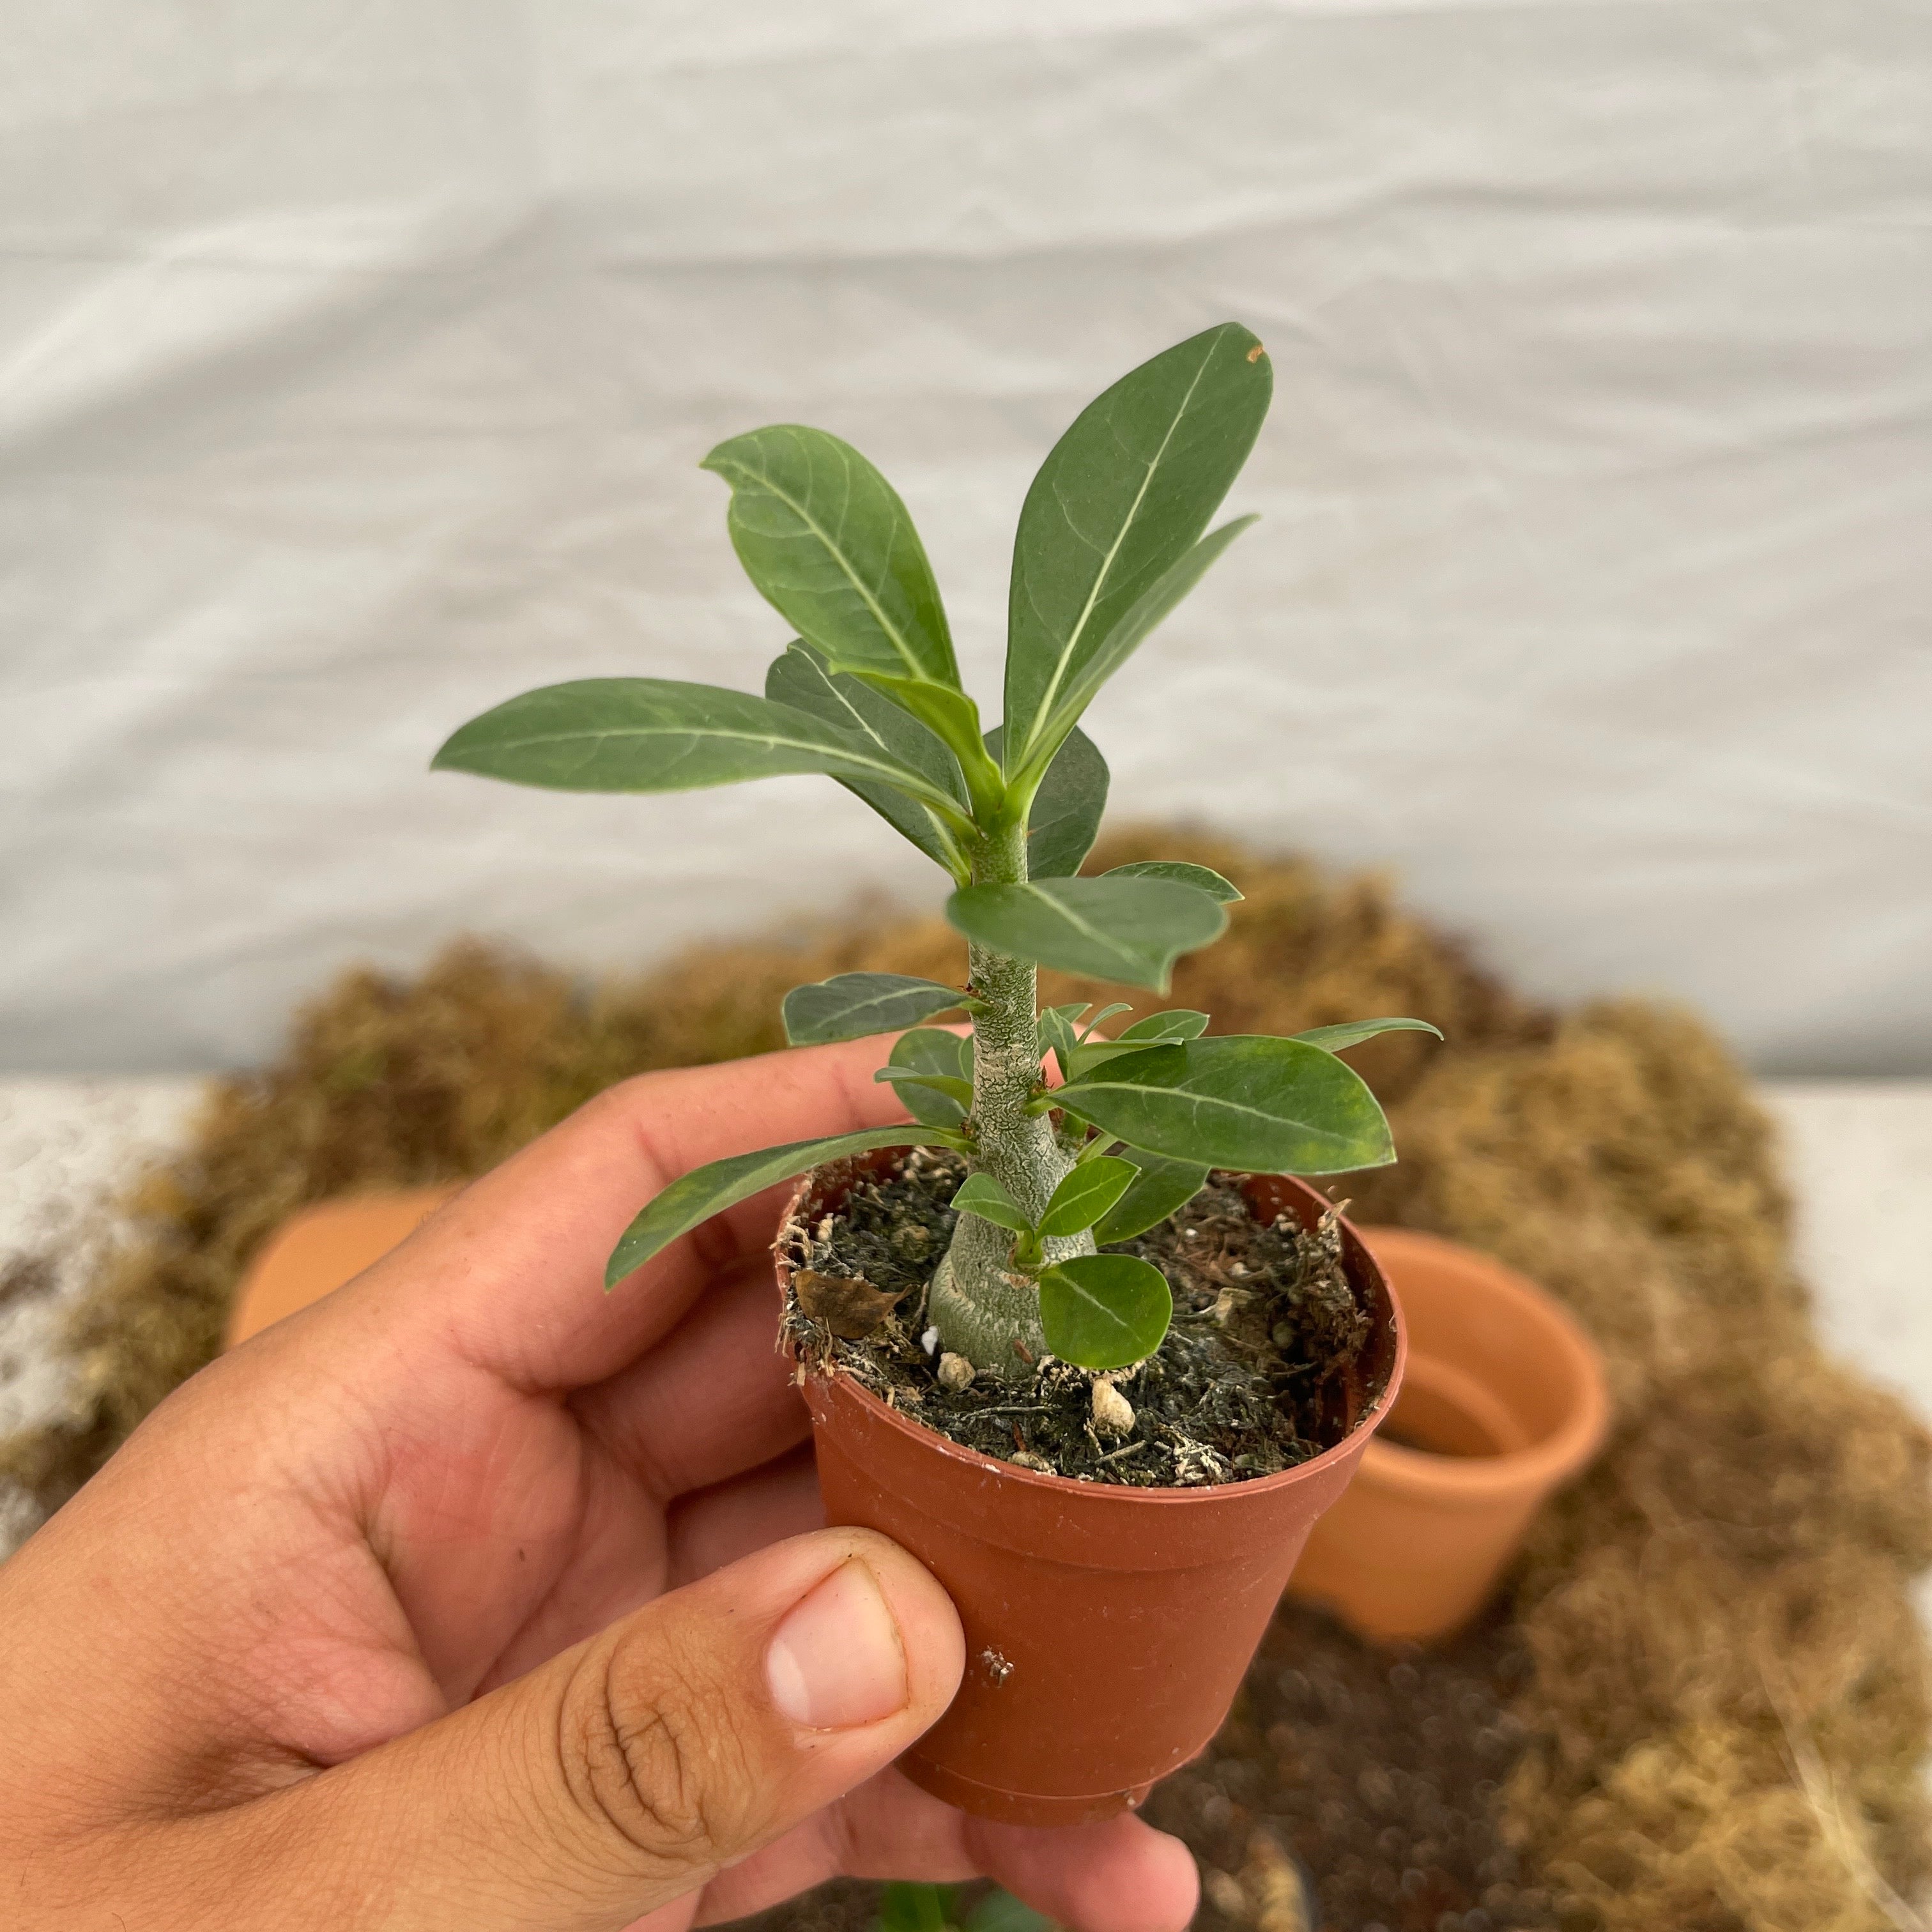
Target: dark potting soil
[(1380, 1770), (1264, 1320)]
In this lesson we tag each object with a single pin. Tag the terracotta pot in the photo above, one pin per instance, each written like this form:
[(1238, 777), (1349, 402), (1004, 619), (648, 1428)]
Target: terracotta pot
[(315, 1251), (1504, 1401), (1107, 1629)]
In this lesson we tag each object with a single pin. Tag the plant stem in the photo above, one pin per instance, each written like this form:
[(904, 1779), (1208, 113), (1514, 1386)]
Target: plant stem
[(984, 1307)]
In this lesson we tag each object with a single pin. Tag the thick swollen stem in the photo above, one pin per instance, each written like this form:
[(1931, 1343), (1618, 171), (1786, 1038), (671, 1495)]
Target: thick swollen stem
[(985, 1308)]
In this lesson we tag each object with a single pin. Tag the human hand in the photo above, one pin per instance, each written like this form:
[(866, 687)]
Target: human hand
[(473, 1597)]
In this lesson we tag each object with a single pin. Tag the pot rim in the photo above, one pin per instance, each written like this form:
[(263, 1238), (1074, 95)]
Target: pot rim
[(1374, 1411), (1450, 1480)]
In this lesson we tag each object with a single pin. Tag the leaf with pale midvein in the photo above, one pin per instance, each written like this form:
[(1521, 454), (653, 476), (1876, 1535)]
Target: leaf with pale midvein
[(1202, 878), (1092, 1053), (694, 1198), (1124, 497), (827, 541), (1237, 1100), (1178, 1023), (953, 718), (1131, 930), (1104, 1311), (933, 1050), (980, 1194), (1064, 819), (798, 677), (959, 1092), (849, 1006), (1152, 607), (1085, 1194), (1057, 1037), (657, 734), (1352, 1033), (1159, 1189)]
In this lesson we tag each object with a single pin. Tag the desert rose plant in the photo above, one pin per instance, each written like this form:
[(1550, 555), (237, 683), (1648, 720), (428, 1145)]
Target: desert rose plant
[(1113, 534)]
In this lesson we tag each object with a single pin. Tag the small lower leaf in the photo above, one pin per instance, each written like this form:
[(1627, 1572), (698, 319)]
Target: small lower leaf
[(1202, 878), (933, 1050), (849, 1006), (1237, 1100), (1177, 1023), (1085, 1195), (705, 1191), (1352, 1033), (1104, 1311), (1131, 930), (1160, 1187), (960, 1092), (980, 1194), (1057, 1037)]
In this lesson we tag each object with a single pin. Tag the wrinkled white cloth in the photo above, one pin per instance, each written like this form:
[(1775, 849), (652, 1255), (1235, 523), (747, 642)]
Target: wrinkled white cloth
[(356, 361)]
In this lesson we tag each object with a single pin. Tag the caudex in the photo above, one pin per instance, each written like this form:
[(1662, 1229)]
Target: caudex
[(1113, 534)]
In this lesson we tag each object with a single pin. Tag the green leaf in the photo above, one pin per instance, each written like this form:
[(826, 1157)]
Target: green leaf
[(1093, 1053), (798, 677), (1177, 1023), (1126, 636), (953, 718), (1125, 496), (1203, 878), (1100, 1019), (1104, 1311), (908, 1907), (1158, 1188), (1126, 929), (1352, 1033), (1001, 1912), (1064, 818), (849, 1006), (980, 1194), (705, 1191), (1085, 1195), (656, 734), (960, 1092), (1057, 1037), (932, 1050), (827, 541), (1239, 1100)]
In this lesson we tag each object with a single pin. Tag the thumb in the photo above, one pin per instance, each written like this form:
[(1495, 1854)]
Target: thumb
[(626, 1771)]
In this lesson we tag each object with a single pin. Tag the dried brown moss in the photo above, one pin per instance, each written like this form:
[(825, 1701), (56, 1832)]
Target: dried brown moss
[(1726, 1702)]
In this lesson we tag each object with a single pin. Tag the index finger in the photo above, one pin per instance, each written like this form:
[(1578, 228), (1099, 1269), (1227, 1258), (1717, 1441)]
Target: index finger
[(512, 1270)]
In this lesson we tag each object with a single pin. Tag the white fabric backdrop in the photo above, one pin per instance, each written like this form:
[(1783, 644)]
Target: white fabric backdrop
[(355, 359)]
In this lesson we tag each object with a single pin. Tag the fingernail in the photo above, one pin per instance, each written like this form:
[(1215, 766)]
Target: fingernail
[(836, 1659)]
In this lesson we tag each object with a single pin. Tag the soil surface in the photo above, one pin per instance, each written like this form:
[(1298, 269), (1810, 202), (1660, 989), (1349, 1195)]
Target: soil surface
[(1265, 1323), (1380, 1770)]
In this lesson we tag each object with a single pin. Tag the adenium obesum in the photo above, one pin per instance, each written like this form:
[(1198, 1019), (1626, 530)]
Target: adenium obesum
[(1113, 534)]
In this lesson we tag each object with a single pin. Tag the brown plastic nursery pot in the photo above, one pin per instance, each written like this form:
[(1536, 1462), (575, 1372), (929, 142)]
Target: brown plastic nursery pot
[(313, 1252), (1107, 1628), (1503, 1403)]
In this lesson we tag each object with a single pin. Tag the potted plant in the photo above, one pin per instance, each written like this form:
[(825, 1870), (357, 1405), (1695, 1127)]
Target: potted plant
[(982, 1303)]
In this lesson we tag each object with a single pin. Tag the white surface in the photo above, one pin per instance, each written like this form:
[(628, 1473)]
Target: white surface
[(355, 362), (1859, 1156)]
